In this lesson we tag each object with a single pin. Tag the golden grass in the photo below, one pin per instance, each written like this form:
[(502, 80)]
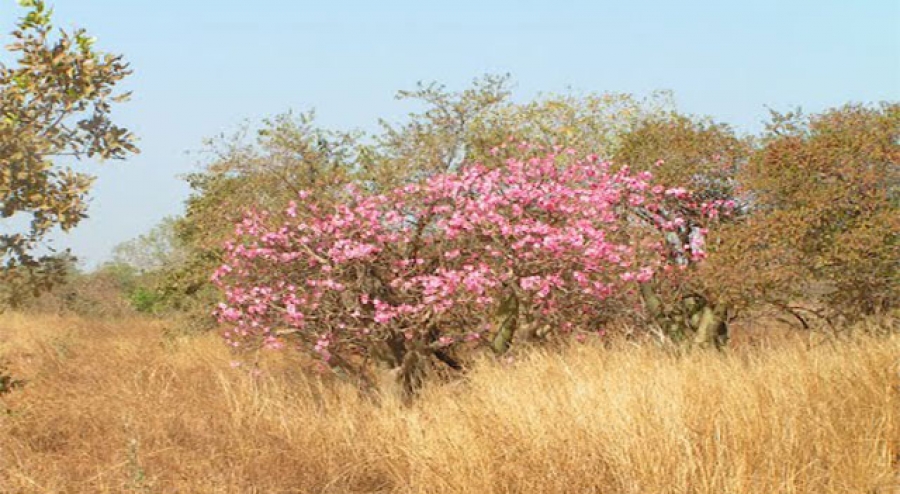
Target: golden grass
[(116, 407)]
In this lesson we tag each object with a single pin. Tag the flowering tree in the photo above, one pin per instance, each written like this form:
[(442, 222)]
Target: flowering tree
[(266, 169), (478, 257)]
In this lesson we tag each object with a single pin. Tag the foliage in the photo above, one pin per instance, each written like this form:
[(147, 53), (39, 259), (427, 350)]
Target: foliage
[(817, 204), (102, 293), (529, 246), (56, 104), (287, 154), (149, 258), (439, 139), (157, 249), (826, 190), (463, 127), (249, 169), (146, 300), (22, 283), (697, 153)]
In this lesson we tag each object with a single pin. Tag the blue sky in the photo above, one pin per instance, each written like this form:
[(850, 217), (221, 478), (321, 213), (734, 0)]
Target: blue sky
[(202, 67)]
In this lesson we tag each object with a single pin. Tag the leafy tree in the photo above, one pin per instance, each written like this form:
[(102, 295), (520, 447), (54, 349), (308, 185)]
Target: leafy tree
[(826, 190), (446, 133), (261, 168), (816, 216), (815, 219), (155, 250), (56, 102), (469, 125)]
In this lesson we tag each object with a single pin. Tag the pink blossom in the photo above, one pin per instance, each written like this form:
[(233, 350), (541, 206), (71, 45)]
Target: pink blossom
[(562, 232)]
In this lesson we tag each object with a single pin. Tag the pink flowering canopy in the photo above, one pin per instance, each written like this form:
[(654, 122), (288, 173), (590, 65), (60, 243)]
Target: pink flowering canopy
[(429, 265)]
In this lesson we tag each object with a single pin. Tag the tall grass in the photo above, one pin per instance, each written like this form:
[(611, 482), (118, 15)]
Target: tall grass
[(119, 407)]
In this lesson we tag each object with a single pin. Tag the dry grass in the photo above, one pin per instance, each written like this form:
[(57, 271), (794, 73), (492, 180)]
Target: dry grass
[(118, 408)]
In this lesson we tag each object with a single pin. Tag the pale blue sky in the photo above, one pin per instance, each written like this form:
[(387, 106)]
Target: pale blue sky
[(202, 66)]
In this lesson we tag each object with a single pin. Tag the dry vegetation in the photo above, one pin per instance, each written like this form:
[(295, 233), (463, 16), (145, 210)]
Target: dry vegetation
[(118, 407)]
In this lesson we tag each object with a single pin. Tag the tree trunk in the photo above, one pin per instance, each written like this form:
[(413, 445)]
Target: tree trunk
[(703, 323), (506, 321), (410, 375), (673, 329), (712, 330)]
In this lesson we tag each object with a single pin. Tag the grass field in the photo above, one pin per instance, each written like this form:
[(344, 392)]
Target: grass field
[(120, 407)]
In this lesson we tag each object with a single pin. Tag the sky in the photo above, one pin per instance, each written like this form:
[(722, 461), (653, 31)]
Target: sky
[(203, 67)]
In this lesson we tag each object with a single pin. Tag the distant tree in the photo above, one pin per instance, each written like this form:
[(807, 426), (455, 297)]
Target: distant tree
[(155, 250), (21, 284), (100, 293), (143, 265), (56, 102)]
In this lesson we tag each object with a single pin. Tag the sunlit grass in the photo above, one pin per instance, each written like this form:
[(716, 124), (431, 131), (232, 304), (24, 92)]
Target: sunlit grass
[(118, 406)]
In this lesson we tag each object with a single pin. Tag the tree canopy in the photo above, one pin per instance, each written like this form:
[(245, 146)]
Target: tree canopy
[(56, 102)]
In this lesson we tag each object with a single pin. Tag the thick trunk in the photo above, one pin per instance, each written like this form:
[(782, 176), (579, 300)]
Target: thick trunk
[(506, 321), (411, 375), (693, 318), (712, 329)]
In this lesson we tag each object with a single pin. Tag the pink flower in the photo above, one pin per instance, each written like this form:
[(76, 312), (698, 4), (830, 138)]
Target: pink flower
[(560, 231)]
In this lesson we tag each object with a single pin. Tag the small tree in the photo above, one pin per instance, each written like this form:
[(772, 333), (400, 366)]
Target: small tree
[(483, 257), (56, 104)]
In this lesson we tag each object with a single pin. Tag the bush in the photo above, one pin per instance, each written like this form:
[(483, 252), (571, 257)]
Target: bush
[(99, 294), (145, 300)]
